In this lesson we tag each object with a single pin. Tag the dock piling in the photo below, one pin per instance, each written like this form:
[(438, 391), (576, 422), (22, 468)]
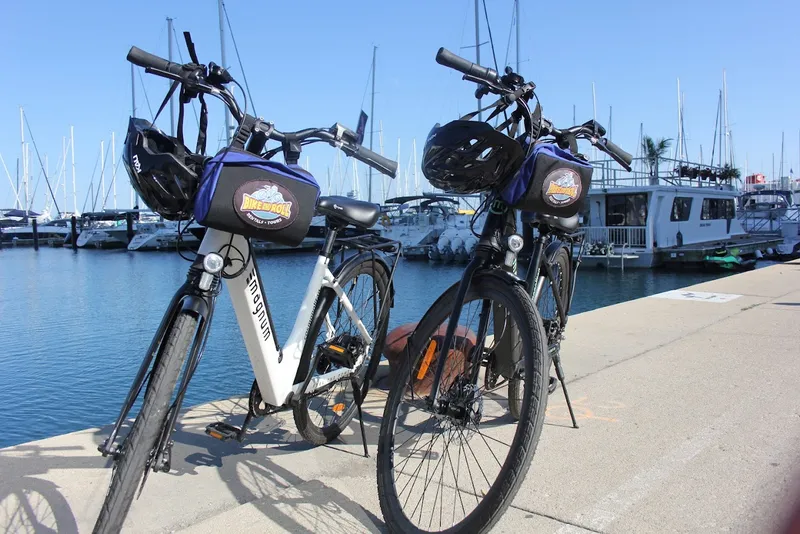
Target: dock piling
[(74, 232), (129, 222), (35, 235)]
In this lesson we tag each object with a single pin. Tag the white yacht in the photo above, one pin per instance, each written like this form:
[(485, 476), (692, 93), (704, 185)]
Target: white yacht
[(162, 235), (109, 229), (638, 220)]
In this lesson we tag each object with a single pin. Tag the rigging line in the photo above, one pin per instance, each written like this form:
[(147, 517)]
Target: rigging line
[(491, 43), (146, 98), (239, 59), (366, 85), (113, 171), (41, 165), (94, 202), (91, 182), (510, 31), (491, 39), (180, 55)]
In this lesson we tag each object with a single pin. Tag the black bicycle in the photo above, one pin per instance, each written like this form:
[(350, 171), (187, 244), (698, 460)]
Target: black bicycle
[(452, 449)]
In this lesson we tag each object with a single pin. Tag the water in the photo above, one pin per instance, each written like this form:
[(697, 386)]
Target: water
[(74, 326)]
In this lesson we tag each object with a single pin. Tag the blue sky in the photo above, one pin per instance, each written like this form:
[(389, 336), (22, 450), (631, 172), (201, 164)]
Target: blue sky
[(308, 63)]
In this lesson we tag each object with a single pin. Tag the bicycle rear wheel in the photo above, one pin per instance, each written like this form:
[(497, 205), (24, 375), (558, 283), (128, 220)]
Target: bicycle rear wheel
[(466, 461), (136, 449), (322, 415)]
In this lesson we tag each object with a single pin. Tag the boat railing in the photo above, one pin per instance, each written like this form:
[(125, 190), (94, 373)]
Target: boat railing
[(608, 174), (767, 220), (632, 236)]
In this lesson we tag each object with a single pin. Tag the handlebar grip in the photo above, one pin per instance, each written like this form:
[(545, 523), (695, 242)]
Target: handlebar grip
[(376, 161), (622, 157), (137, 56), (449, 59)]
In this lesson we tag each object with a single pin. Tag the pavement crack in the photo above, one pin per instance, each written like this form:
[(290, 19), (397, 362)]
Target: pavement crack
[(556, 519)]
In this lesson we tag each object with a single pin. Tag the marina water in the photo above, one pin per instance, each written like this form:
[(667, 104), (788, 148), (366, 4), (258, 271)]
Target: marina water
[(74, 326)]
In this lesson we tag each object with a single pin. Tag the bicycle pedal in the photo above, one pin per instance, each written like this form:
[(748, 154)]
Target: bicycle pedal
[(222, 431), (551, 387)]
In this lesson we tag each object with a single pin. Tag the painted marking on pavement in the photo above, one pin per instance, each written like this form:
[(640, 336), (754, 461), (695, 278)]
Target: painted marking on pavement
[(615, 504), (682, 294), (583, 410)]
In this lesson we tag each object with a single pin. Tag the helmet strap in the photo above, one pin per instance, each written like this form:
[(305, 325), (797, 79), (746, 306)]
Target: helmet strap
[(171, 91)]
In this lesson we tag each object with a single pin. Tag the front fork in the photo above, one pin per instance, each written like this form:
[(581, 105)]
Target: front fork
[(490, 246), (192, 299)]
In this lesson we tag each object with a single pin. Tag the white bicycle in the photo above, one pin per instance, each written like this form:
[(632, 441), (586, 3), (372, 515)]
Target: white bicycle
[(323, 371)]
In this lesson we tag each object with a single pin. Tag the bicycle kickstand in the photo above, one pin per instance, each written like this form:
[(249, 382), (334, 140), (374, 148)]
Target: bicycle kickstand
[(560, 374), (359, 399)]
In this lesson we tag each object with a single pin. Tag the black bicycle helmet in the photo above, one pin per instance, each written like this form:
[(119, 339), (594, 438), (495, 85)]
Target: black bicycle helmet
[(469, 156), (162, 170)]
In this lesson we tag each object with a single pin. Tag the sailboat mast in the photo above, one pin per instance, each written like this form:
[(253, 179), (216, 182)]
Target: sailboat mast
[(64, 168), (678, 149), (114, 169), (102, 175), (171, 98), (721, 132), (516, 15), (594, 116), (372, 120), (380, 145), (72, 145), (609, 122), (725, 114), (477, 50), (780, 168), (17, 202), (24, 158), (134, 197), (221, 10), (416, 176)]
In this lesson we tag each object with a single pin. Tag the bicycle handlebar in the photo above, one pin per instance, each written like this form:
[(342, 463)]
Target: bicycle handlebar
[(139, 57), (338, 135), (619, 155), (197, 79), (513, 86), (473, 70)]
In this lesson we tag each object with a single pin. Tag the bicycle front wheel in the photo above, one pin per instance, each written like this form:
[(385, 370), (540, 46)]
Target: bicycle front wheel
[(457, 467), (136, 449)]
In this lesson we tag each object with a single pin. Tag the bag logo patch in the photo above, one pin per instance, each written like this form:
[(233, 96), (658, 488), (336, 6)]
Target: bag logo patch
[(265, 204), (562, 187)]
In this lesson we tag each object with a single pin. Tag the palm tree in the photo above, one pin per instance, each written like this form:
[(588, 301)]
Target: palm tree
[(652, 151)]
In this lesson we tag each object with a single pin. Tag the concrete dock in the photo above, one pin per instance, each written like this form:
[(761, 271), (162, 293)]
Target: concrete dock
[(689, 411)]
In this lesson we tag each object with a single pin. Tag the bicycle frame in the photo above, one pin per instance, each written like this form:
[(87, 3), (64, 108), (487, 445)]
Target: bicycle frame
[(541, 259), (275, 367)]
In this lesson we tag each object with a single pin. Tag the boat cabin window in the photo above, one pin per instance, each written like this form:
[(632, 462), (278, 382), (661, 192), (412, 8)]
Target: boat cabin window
[(681, 207), (718, 208), (626, 210)]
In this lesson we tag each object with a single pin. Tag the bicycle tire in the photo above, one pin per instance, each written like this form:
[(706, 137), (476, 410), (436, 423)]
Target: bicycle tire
[(504, 488), (321, 434), (130, 466), (560, 264)]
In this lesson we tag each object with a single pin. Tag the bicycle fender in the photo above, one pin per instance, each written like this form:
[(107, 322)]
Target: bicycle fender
[(505, 276), (357, 258), (552, 248), (195, 305)]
